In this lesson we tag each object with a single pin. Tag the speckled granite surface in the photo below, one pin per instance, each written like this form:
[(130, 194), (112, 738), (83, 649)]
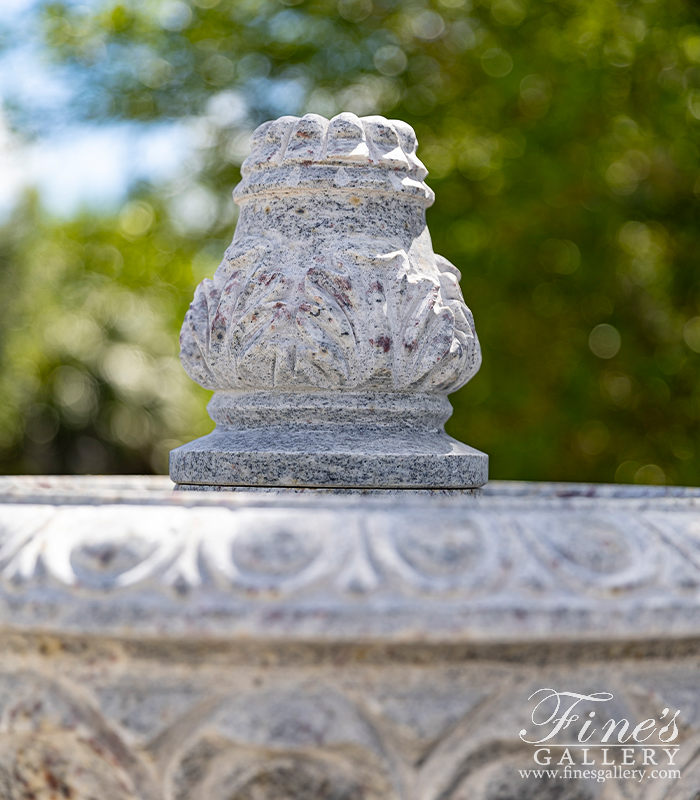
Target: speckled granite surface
[(331, 332), (163, 645)]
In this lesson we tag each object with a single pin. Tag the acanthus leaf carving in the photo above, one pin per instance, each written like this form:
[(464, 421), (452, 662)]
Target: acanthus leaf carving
[(361, 317)]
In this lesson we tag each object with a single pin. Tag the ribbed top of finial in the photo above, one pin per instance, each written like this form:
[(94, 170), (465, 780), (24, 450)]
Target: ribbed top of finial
[(345, 153)]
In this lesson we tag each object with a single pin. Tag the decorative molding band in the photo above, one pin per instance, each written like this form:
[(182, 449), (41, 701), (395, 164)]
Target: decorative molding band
[(520, 563)]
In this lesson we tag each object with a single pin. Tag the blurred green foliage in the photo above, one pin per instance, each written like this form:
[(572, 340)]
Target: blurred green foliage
[(562, 138), (89, 309)]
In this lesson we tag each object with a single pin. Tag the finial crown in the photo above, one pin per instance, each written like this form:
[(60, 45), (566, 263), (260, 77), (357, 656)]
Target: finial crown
[(341, 154)]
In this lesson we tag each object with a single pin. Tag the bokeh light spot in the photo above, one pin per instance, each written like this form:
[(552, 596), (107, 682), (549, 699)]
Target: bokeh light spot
[(604, 341), (496, 62), (650, 474), (390, 60)]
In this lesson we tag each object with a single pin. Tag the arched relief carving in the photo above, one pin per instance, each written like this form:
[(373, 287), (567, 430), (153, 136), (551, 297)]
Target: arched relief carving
[(55, 744)]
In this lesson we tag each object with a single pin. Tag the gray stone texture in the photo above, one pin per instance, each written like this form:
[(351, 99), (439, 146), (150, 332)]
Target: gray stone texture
[(161, 645), (331, 333), (517, 564)]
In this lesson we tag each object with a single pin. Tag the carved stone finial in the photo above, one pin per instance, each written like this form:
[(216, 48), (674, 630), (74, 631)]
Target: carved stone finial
[(331, 333)]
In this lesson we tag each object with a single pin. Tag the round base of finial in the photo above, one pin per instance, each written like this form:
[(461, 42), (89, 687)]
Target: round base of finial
[(348, 440)]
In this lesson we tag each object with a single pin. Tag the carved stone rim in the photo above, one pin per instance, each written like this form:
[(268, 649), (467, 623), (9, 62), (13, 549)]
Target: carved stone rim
[(500, 568)]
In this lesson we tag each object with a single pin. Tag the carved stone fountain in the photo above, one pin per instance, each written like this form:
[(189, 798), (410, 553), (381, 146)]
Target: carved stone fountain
[(160, 645), (331, 333)]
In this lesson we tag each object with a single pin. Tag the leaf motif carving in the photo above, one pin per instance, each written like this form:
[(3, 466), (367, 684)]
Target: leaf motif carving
[(293, 334), (364, 316), (419, 318), (211, 323)]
